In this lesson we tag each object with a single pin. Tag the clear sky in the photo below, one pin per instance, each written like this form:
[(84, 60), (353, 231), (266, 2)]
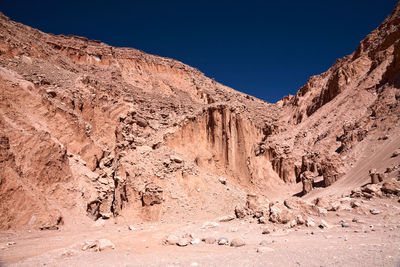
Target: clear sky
[(267, 49)]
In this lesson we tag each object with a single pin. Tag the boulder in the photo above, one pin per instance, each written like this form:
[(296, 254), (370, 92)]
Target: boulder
[(280, 214), (391, 187), (324, 225), (241, 212), (152, 194), (266, 231)]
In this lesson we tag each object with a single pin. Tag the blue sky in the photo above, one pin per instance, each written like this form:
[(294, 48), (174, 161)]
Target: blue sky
[(267, 49)]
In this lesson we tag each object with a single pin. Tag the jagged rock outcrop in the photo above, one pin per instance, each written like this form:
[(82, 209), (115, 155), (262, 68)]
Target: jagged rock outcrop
[(90, 129)]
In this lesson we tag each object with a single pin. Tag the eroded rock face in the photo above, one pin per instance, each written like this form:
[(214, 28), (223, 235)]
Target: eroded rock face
[(115, 131), (307, 179)]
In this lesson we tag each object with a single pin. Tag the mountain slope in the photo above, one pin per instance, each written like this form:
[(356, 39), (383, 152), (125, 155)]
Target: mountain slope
[(90, 131)]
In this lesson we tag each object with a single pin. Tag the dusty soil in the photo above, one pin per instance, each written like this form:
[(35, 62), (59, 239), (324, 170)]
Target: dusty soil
[(372, 241)]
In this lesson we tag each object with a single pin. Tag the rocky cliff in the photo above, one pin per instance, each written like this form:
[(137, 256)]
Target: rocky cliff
[(91, 131)]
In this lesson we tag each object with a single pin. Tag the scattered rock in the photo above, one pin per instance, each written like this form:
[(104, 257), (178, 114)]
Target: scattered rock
[(391, 187), (52, 227), (374, 211), (355, 219), (266, 231), (226, 218), (152, 194), (345, 224), (310, 222), (195, 241), (131, 228), (300, 220), (222, 180), (176, 159), (396, 153), (355, 204), (280, 214), (324, 225), (183, 242), (241, 212), (237, 242), (322, 211), (105, 244), (223, 241), (171, 240), (89, 245), (264, 243)]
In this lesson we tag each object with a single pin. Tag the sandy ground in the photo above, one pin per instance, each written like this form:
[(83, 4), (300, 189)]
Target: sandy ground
[(372, 241)]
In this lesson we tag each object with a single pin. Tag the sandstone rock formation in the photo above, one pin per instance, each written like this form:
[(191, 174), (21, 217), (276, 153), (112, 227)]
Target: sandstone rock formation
[(92, 131)]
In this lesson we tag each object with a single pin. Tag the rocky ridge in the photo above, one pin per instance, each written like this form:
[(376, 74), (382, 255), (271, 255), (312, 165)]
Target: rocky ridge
[(92, 131)]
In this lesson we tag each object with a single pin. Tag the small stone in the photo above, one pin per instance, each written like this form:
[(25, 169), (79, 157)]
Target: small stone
[(222, 180), (262, 220), (226, 218), (88, 245), (355, 204), (195, 241), (266, 231), (264, 243), (345, 224), (355, 219), (324, 225), (322, 211), (176, 159), (310, 222), (172, 240), (105, 244), (223, 241), (292, 224), (396, 153), (12, 243), (183, 242), (131, 228), (237, 242), (264, 249), (374, 211)]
